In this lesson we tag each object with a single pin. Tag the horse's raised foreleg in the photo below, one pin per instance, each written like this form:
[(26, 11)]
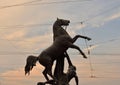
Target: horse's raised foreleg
[(80, 36), (76, 47)]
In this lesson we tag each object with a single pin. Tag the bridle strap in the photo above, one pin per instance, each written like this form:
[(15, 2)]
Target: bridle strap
[(65, 27)]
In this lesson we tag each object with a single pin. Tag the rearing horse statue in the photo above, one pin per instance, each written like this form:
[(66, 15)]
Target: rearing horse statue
[(55, 51)]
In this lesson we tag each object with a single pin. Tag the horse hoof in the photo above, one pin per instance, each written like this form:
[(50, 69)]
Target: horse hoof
[(40, 83)]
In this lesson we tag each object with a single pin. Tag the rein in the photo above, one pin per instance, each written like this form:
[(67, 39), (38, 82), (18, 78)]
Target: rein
[(65, 27)]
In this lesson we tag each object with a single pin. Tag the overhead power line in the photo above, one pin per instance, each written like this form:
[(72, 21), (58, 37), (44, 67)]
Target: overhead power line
[(78, 22), (97, 77), (60, 2), (16, 53), (104, 42), (23, 26), (103, 12), (20, 4), (25, 52), (37, 2)]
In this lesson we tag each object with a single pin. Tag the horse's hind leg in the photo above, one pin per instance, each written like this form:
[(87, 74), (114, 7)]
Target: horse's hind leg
[(49, 71), (47, 62), (45, 74)]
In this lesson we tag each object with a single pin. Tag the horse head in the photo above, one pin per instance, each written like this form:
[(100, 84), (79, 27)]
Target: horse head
[(58, 30), (62, 22)]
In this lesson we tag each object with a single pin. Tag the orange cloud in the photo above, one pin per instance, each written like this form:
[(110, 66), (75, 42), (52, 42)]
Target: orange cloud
[(15, 35), (18, 77), (114, 16)]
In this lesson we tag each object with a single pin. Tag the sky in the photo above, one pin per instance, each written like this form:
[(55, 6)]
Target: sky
[(26, 29)]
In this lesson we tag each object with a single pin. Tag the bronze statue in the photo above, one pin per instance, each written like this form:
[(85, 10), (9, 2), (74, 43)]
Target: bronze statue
[(57, 51)]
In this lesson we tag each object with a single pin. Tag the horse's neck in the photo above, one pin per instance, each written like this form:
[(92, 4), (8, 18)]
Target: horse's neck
[(59, 31)]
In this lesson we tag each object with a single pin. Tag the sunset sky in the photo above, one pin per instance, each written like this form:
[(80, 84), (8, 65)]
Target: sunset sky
[(26, 29)]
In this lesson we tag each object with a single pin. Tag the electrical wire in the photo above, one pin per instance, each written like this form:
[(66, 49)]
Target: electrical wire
[(20, 4), (25, 52), (102, 77), (24, 26), (101, 13), (35, 2), (78, 22), (60, 2)]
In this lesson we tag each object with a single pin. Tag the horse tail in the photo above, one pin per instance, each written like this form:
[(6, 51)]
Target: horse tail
[(30, 63)]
